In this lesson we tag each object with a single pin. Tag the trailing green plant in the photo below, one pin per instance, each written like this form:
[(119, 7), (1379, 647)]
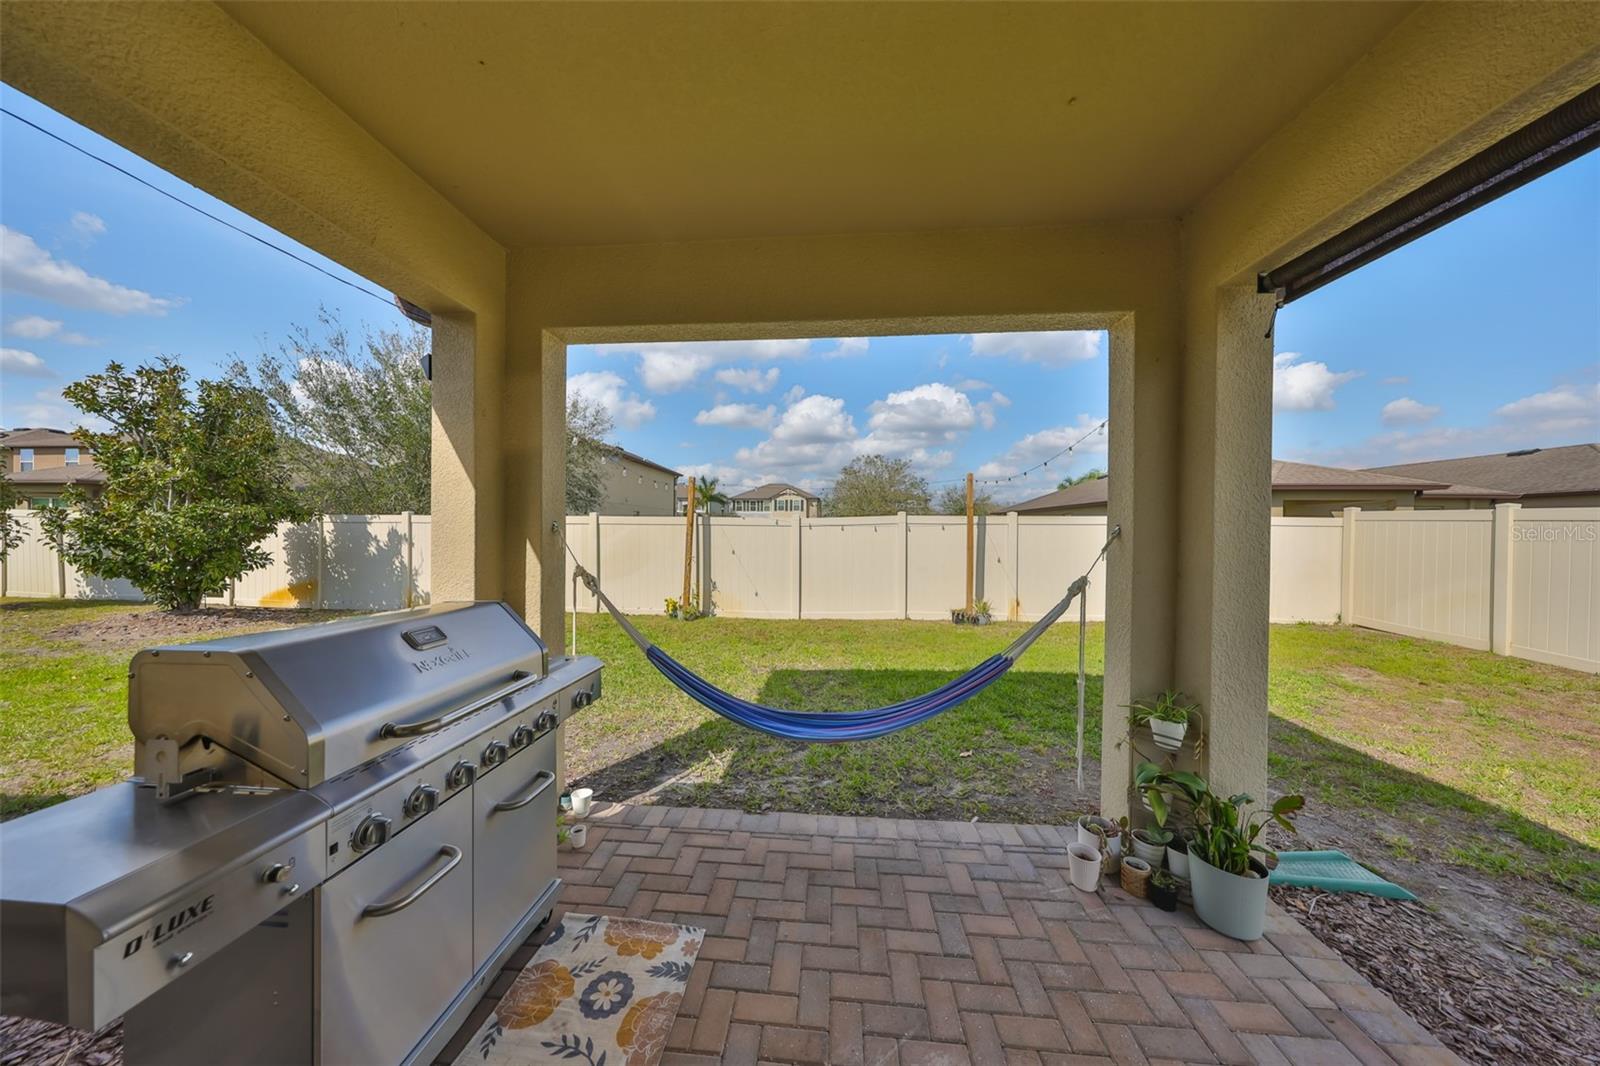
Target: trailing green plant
[(1225, 833), (1163, 878), (1169, 706), (1159, 788)]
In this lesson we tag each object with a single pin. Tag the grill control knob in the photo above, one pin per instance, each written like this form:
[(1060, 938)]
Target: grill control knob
[(546, 721), (460, 775), (422, 800), (522, 736), (277, 873), (494, 754), (373, 830)]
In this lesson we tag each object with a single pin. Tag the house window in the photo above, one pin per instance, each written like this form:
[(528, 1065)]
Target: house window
[(72, 457), (40, 503), (24, 459)]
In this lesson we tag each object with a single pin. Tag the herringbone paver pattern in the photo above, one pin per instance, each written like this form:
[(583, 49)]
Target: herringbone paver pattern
[(872, 942)]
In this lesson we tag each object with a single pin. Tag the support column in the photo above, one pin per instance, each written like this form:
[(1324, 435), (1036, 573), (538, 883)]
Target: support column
[(465, 556), (1139, 575), (1225, 545)]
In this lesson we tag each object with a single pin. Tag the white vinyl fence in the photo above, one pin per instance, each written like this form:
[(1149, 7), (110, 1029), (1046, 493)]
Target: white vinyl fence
[(1517, 581)]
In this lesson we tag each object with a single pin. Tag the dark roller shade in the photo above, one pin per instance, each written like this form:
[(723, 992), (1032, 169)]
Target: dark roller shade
[(1558, 137)]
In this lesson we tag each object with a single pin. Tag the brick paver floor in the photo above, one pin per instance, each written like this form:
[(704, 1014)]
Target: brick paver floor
[(872, 942)]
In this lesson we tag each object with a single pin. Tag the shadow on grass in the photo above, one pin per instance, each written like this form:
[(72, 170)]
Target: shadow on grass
[(1006, 754), (1411, 826)]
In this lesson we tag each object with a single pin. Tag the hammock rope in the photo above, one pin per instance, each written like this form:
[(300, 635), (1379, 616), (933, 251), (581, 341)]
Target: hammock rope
[(838, 726)]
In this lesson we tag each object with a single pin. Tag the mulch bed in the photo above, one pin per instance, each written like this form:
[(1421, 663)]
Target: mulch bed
[(25, 1041), (140, 628), (1437, 974)]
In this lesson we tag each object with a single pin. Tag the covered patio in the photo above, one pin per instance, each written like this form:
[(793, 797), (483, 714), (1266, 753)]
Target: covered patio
[(531, 176), (873, 941)]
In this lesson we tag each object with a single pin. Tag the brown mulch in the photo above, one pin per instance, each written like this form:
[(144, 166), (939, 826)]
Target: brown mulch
[(1437, 974), (25, 1042)]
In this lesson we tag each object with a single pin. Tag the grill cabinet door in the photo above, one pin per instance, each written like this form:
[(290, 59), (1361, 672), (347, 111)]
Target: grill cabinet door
[(514, 846), (386, 978)]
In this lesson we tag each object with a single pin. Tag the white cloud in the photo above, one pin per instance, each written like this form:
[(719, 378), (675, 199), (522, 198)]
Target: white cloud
[(87, 225), (23, 364), (1563, 408), (749, 379), (1407, 412), (27, 268), (50, 408), (793, 395), (606, 389), (737, 416), (1397, 380), (845, 347), (816, 433), (671, 365), (911, 422), (1087, 438), (986, 408), (38, 328), (1304, 386), (34, 327), (1049, 348)]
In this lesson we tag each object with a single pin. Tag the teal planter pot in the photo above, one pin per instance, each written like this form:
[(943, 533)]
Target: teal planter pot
[(1232, 905)]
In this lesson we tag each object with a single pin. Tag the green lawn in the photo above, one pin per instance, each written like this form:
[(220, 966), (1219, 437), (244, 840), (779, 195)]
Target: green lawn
[(1417, 756)]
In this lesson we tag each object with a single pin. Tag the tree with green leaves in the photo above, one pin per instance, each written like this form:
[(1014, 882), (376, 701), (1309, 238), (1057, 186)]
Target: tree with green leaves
[(953, 500), (707, 493), (194, 482), (588, 426), (11, 532), (354, 415), (878, 485), (1088, 475)]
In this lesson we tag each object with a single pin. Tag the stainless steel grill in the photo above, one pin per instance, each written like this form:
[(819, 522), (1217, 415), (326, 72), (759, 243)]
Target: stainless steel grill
[(344, 828)]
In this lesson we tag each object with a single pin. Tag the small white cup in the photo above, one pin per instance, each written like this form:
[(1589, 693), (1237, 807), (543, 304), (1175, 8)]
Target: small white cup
[(577, 835), (582, 799), (1083, 863)]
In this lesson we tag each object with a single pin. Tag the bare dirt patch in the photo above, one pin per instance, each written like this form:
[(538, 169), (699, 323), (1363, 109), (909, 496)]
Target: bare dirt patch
[(137, 629)]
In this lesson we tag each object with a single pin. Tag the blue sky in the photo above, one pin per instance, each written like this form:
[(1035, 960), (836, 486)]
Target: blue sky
[(1483, 336)]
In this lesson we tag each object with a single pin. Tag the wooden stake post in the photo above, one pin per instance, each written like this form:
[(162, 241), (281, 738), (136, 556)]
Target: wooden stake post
[(971, 543), (688, 546)]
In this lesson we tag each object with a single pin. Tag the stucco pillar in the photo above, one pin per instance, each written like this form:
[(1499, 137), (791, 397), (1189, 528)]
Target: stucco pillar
[(465, 556), (1225, 542), (534, 414), (1138, 575)]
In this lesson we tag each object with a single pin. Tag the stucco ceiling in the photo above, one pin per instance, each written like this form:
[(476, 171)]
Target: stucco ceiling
[(616, 123)]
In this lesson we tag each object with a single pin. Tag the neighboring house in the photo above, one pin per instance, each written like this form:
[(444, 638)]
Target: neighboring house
[(636, 486), (776, 496), (681, 504), (1534, 477), (41, 463), (1305, 490)]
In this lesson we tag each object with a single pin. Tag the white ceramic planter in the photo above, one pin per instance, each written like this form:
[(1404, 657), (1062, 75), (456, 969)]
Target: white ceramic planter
[(1150, 853), (577, 836), (1083, 862), (1168, 735), (1178, 863), (1087, 836), (582, 799), (1232, 905)]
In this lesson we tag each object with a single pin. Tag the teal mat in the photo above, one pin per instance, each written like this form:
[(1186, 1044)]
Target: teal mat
[(1333, 871)]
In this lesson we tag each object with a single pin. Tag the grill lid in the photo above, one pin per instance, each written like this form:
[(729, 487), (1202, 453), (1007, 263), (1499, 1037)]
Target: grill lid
[(300, 706)]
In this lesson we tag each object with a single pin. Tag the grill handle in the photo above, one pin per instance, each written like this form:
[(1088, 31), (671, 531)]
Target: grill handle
[(378, 910), (541, 781), (520, 680)]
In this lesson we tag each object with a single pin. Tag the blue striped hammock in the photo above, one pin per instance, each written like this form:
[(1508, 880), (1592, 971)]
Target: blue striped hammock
[(836, 726)]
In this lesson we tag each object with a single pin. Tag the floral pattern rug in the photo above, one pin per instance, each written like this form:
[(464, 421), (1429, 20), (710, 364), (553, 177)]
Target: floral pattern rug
[(600, 990)]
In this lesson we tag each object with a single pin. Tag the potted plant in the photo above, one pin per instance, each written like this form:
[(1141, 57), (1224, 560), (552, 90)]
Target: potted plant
[(1135, 876), (1096, 831), (981, 615), (1229, 881), (1160, 790), (1178, 856), (1163, 891), (1167, 716)]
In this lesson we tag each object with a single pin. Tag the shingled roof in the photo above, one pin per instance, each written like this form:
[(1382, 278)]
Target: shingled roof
[(1571, 470), (772, 490)]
